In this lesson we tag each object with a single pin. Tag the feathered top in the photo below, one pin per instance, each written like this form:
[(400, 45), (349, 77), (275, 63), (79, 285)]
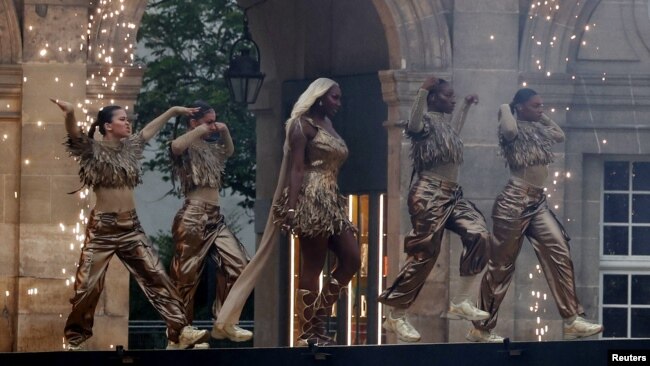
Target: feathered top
[(532, 145), (437, 143), (103, 165), (201, 165)]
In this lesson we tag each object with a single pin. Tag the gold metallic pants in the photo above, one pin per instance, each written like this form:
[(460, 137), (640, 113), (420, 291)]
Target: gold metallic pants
[(199, 231), (519, 211), (436, 205), (109, 233)]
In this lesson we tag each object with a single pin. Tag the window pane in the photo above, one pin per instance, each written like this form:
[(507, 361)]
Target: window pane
[(640, 289), (614, 289), (640, 240), (615, 322), (640, 323), (616, 208), (615, 240), (641, 176), (641, 208), (616, 175)]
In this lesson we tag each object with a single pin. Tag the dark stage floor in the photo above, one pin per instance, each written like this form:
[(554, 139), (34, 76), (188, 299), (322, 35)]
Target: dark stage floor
[(567, 353)]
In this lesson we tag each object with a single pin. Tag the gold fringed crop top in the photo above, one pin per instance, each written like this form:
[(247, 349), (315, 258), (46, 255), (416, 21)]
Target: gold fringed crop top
[(531, 146), (201, 165), (437, 143), (103, 165)]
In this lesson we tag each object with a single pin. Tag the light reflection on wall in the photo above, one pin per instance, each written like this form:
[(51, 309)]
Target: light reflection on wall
[(538, 305)]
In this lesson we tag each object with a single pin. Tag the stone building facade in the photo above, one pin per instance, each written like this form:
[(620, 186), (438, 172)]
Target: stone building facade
[(587, 58)]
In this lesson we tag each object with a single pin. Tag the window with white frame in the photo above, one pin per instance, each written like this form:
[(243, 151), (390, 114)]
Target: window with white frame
[(625, 249)]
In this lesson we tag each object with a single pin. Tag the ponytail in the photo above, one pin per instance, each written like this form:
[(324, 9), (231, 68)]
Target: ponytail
[(91, 131), (104, 116)]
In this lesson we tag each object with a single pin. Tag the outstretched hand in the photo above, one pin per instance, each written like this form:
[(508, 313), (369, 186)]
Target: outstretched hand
[(471, 99), (66, 107)]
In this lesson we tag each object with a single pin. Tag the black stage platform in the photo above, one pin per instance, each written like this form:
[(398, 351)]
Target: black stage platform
[(560, 353)]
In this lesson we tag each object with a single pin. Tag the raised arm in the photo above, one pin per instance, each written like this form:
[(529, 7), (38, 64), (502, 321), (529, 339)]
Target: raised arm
[(181, 143), (507, 123), (226, 140), (556, 131), (415, 124), (458, 121), (152, 128), (70, 120)]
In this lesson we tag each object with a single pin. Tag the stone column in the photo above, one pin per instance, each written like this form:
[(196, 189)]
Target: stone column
[(48, 249), (271, 292), (51, 227), (10, 128)]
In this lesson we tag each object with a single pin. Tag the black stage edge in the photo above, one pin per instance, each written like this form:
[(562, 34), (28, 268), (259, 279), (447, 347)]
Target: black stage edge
[(556, 353)]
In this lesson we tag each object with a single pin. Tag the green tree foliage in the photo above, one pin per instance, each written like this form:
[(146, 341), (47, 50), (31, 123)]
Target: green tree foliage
[(189, 44)]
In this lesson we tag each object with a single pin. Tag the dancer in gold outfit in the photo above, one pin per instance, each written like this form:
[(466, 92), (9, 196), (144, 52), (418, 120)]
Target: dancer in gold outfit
[(112, 169), (199, 229), (520, 210), (312, 208), (436, 203), (307, 203)]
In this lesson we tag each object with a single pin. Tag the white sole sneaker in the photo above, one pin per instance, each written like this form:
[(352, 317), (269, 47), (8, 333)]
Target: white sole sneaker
[(465, 311), (231, 332), (580, 328), (477, 335), (190, 336), (389, 325)]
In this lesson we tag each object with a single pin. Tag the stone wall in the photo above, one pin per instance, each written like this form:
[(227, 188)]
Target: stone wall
[(45, 55)]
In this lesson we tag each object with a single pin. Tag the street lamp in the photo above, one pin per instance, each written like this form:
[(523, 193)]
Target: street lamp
[(243, 75)]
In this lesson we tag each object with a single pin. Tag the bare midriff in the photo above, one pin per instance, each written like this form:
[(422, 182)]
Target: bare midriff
[(448, 172), (114, 199), (534, 175), (204, 194)]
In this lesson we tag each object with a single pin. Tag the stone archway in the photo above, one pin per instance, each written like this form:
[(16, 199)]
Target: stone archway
[(114, 26), (417, 33), (551, 35)]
